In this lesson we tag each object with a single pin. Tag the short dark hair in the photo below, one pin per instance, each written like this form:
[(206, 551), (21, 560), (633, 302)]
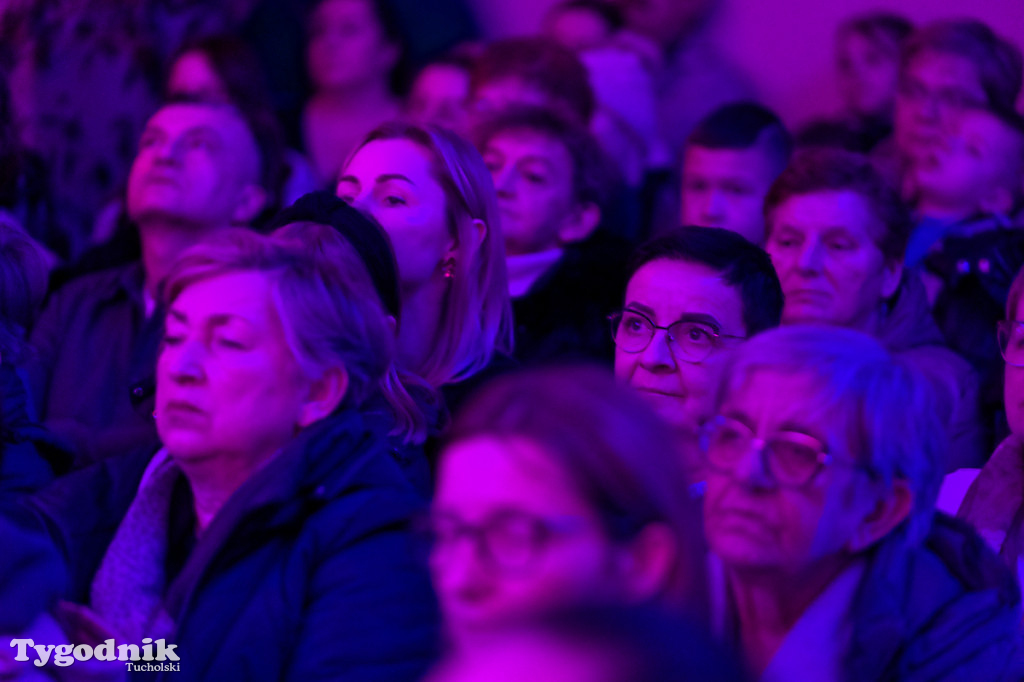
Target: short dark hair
[(833, 170), (594, 178), (740, 263), (546, 65), (741, 125), (610, 14), (997, 60)]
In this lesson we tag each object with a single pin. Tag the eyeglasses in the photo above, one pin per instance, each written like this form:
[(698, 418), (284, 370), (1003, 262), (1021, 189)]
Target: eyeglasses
[(509, 541), (689, 341), (1011, 341), (790, 458)]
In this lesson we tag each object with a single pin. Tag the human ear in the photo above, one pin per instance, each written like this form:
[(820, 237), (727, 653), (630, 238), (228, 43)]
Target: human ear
[(889, 511), (646, 565), (892, 273), (251, 201), (583, 220), (324, 396)]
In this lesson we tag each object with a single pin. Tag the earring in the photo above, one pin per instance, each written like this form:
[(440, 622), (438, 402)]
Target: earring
[(448, 268)]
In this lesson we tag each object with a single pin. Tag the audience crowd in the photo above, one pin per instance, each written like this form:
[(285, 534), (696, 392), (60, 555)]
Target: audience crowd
[(336, 343)]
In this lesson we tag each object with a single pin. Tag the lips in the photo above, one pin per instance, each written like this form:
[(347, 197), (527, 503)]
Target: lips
[(807, 296), (665, 393), (182, 407)]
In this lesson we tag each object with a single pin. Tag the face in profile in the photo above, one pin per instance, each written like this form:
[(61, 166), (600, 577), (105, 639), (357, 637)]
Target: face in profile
[(440, 96), (869, 72), (753, 522), (197, 163), (193, 75), (935, 88), (228, 384), (533, 175), (974, 166), (513, 534), (726, 188), (347, 45), (831, 269), (667, 291), (393, 180)]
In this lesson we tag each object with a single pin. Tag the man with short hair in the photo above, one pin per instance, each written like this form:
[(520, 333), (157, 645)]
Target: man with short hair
[(731, 160), (198, 169)]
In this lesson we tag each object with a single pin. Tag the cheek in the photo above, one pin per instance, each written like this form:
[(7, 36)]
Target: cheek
[(1014, 393), (625, 364)]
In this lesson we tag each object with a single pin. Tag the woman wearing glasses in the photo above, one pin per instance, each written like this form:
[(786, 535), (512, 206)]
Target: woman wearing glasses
[(691, 293), (824, 461), (555, 487), (994, 503)]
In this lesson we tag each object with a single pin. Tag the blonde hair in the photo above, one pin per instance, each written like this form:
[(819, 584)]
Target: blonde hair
[(476, 316), (329, 311), (411, 424)]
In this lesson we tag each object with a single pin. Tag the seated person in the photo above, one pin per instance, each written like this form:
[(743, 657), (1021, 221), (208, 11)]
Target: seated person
[(837, 235), (731, 159), (947, 68), (706, 289), (557, 486), (593, 643), (273, 519), (432, 193), (440, 93), (868, 50), (828, 559), (353, 54), (199, 168), (565, 272)]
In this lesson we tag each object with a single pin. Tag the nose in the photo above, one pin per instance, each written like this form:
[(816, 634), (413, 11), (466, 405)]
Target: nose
[(504, 182), (459, 573), (751, 469), (713, 205), (810, 257), (658, 357), (184, 362)]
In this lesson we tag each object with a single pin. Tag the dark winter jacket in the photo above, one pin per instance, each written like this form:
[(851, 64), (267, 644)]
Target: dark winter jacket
[(307, 572)]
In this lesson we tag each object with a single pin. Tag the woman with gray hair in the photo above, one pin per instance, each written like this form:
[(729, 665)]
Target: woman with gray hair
[(267, 538), (824, 463)]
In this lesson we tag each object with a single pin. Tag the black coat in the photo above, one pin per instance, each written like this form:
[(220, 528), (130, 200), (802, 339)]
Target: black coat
[(564, 316), (307, 572)]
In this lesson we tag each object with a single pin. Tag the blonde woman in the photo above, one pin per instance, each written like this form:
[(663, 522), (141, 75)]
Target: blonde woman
[(433, 195)]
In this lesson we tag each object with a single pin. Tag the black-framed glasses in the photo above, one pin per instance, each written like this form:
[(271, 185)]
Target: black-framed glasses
[(689, 340), (790, 458), (510, 541), (1011, 341)]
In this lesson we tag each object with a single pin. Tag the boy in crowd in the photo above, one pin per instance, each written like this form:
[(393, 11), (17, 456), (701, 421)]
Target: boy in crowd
[(731, 160), (565, 272)]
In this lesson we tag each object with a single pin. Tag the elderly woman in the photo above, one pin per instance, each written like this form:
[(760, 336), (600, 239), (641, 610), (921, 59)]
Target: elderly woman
[(433, 195), (267, 537), (837, 235), (557, 486), (824, 462)]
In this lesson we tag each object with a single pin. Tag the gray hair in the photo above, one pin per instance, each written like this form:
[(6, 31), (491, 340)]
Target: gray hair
[(878, 408)]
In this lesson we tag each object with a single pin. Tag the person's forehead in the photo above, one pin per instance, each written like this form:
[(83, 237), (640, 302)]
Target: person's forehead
[(778, 396), (754, 162), (673, 288), (824, 210), (943, 68), (398, 156), (522, 141), (181, 117), (245, 295)]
